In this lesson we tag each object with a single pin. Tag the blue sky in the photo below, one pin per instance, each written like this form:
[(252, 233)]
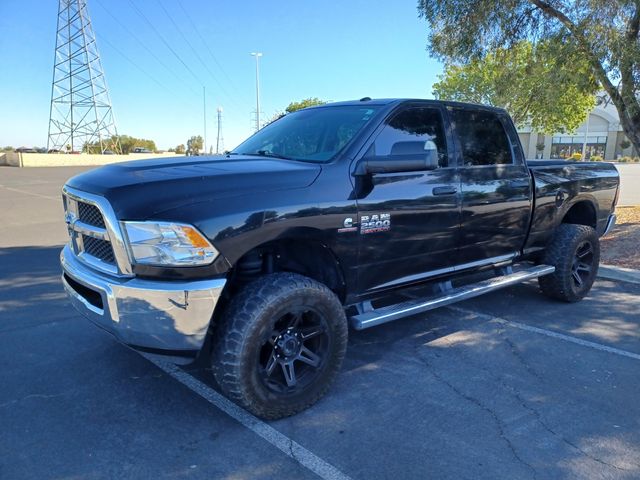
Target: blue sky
[(334, 50)]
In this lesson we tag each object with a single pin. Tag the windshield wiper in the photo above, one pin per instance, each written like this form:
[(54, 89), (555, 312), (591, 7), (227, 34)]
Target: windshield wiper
[(267, 153)]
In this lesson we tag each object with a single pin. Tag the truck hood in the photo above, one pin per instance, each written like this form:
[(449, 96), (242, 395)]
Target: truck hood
[(139, 189)]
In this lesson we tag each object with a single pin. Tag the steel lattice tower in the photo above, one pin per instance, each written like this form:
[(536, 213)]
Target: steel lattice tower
[(81, 111)]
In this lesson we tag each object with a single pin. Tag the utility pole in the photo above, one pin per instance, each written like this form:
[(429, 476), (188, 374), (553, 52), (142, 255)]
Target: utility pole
[(204, 113), (219, 141), (257, 56), (80, 114)]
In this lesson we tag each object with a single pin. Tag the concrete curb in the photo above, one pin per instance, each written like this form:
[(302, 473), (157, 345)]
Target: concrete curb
[(619, 273)]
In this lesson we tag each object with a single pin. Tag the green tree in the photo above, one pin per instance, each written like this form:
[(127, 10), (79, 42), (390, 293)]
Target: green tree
[(603, 33), (519, 79), (307, 102), (295, 106), (180, 149), (276, 116), (194, 145), (126, 143)]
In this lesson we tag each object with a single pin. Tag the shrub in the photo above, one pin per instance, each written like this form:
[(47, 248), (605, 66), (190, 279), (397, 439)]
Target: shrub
[(576, 156), (624, 144), (625, 159), (596, 158)]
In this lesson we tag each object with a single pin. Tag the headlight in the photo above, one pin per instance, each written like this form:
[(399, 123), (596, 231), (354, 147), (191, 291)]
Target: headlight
[(168, 244)]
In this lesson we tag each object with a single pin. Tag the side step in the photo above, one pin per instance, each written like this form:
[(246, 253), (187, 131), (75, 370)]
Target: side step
[(411, 307)]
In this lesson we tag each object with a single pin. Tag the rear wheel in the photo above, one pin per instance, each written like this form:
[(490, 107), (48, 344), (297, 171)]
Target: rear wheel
[(575, 252), (280, 345)]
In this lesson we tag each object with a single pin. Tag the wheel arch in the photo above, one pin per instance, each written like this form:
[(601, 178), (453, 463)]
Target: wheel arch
[(299, 251), (582, 211)]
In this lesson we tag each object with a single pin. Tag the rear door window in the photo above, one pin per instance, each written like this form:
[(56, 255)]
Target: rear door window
[(483, 139)]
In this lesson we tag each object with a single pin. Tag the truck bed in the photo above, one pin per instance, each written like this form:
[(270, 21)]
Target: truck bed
[(560, 185)]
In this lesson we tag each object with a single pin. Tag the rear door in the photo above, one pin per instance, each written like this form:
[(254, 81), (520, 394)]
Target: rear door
[(409, 221), (496, 185)]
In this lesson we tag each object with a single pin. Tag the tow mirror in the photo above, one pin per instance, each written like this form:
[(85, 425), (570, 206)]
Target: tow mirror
[(404, 157)]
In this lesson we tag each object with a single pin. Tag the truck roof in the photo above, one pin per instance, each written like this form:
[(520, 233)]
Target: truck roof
[(394, 101)]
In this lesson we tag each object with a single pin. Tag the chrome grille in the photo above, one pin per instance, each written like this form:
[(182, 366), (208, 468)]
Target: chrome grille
[(90, 215), (95, 233), (101, 249)]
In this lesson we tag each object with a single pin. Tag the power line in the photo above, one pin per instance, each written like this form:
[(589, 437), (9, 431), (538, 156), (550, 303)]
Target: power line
[(160, 61), (224, 92), (140, 68), (103, 40), (214, 58), (206, 45), (195, 52), (167, 44), (164, 41), (143, 45)]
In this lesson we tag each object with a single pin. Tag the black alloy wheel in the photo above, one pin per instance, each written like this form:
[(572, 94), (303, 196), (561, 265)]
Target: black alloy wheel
[(279, 345), (574, 251), (582, 265), (295, 352)]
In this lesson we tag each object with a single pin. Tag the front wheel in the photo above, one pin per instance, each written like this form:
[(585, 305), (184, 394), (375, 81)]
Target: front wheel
[(280, 345), (575, 252)]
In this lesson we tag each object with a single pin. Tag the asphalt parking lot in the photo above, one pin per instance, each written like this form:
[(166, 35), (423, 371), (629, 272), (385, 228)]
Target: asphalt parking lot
[(509, 385)]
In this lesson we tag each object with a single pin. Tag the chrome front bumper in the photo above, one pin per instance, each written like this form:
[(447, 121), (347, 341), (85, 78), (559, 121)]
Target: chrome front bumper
[(169, 317)]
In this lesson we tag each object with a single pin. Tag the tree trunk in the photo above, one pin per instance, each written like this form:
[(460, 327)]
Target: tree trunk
[(631, 124), (628, 108)]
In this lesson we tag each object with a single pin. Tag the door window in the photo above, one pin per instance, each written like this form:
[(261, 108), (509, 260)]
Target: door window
[(414, 131), (482, 137)]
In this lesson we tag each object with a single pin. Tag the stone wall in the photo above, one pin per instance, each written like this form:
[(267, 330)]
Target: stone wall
[(63, 160)]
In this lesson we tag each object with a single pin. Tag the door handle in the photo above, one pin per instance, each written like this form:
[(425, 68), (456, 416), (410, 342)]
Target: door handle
[(445, 190)]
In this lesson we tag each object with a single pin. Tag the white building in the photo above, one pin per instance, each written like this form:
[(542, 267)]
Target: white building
[(603, 133)]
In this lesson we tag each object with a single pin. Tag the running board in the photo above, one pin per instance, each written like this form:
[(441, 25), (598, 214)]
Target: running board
[(411, 307)]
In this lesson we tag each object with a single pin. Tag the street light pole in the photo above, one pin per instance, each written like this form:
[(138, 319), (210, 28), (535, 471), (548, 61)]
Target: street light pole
[(219, 137), (257, 56), (599, 101), (586, 134)]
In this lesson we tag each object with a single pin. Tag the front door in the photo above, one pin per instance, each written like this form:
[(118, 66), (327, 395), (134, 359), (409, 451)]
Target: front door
[(409, 221)]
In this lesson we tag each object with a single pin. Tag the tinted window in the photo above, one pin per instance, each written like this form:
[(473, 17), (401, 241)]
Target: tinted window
[(413, 132), (482, 137), (316, 134)]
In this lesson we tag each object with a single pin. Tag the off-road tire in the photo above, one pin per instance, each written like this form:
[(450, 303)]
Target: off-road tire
[(563, 252), (251, 317)]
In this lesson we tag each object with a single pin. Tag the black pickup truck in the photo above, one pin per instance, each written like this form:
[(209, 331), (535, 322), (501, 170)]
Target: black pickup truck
[(355, 213)]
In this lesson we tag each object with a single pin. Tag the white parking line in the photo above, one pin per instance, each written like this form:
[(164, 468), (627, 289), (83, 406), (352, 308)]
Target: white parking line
[(33, 194), (549, 333), (283, 443), (296, 451)]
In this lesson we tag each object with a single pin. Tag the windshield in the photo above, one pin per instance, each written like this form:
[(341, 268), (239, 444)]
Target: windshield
[(315, 135)]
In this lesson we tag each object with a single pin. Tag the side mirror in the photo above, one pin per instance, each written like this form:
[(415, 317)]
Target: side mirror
[(404, 157)]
